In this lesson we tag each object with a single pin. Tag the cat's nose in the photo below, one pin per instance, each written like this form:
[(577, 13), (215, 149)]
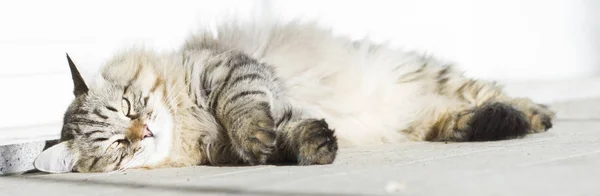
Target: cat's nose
[(147, 132)]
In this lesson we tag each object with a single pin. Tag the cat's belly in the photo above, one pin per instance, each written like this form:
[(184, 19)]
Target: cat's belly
[(362, 117)]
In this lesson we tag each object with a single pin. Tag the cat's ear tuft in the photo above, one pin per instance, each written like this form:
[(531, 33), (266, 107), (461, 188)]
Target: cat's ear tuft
[(80, 87), (56, 159)]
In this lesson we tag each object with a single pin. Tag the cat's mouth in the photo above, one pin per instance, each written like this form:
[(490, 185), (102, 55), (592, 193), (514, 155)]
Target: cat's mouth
[(147, 132)]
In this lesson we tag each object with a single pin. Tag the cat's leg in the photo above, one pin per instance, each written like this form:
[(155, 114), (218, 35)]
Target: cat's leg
[(464, 122), (482, 94), (305, 141), (476, 110), (241, 97)]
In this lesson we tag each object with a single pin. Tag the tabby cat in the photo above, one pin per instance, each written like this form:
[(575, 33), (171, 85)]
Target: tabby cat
[(273, 94)]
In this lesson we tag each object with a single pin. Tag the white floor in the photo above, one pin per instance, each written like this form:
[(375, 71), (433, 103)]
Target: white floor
[(563, 161)]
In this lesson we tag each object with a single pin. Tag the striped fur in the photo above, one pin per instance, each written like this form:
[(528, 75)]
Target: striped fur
[(274, 94)]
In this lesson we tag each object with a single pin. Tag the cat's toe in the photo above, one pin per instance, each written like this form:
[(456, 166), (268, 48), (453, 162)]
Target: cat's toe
[(541, 118), (541, 123), (547, 122), (318, 145), (259, 143)]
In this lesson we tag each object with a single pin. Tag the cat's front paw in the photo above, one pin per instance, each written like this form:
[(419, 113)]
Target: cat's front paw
[(256, 140), (317, 143)]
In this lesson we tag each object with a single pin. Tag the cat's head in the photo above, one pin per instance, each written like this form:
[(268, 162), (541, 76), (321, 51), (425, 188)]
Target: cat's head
[(122, 120)]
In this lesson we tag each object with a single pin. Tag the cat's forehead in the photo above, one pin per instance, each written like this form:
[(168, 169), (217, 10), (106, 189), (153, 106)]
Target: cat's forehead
[(126, 75), (95, 98), (134, 71)]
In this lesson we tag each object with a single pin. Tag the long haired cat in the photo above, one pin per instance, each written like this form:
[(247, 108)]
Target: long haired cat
[(274, 94)]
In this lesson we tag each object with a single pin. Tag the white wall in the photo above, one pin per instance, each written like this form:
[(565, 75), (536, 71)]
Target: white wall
[(502, 39)]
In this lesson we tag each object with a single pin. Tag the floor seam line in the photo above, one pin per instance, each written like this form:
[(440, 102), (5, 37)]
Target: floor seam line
[(559, 159)]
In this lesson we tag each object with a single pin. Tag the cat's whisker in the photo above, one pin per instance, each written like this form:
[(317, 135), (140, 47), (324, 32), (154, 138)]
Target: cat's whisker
[(136, 157)]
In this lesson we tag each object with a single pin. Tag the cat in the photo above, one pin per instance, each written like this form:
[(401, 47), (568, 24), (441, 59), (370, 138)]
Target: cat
[(266, 94)]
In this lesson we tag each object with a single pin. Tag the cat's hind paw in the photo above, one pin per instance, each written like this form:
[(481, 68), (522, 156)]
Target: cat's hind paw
[(540, 116)]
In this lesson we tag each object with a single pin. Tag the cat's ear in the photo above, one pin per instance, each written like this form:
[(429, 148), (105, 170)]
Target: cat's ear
[(80, 87), (56, 159)]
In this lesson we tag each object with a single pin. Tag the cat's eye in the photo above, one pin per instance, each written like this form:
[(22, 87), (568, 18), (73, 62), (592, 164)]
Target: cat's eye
[(125, 107)]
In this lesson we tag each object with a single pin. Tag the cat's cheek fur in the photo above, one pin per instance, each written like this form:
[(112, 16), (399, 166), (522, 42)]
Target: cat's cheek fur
[(159, 146)]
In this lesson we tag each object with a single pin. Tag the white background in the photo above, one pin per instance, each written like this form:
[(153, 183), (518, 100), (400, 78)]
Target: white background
[(507, 40)]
